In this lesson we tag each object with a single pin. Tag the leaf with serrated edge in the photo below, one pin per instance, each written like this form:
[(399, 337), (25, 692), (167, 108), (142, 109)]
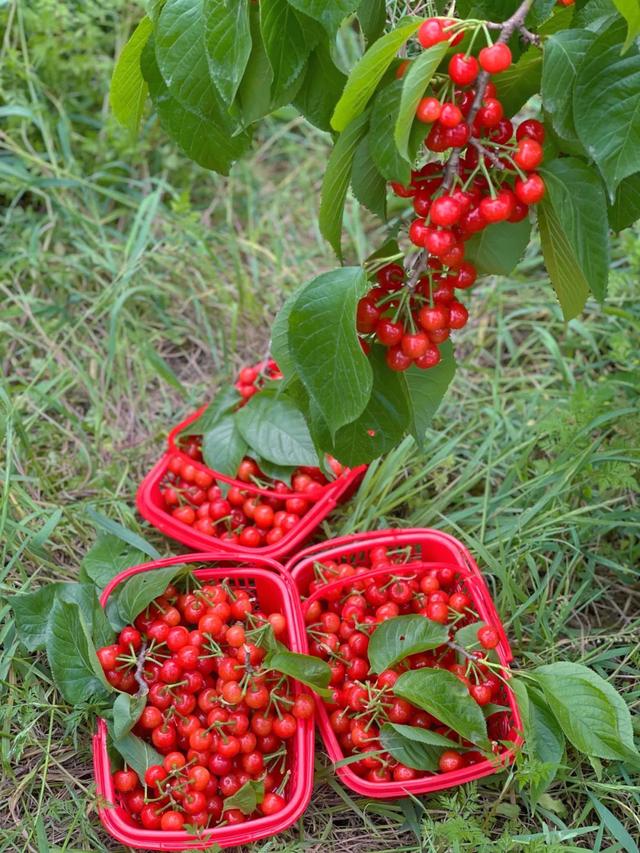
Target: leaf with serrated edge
[(276, 429), (498, 248), (426, 390), (126, 713), (137, 592), (223, 447), (368, 72), (570, 285), (563, 54), (444, 696), (330, 15), (397, 638), (367, 184), (322, 86), (136, 752), (606, 105), (625, 209), (287, 42), (309, 670), (591, 713), (324, 345), (414, 85), (577, 196), (247, 798)]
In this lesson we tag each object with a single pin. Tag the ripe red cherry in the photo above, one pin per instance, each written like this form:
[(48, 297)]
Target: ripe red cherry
[(125, 780), (529, 154), (303, 707), (430, 358), (497, 209), (367, 315), (414, 345), (488, 637), (436, 317), (456, 137), (450, 761), (272, 803), (466, 276), (396, 359), (431, 32), (108, 657), (463, 70), (496, 58), (445, 211), (438, 242), (531, 190), (458, 315), (388, 332), (422, 203), (532, 129), (417, 232), (390, 277), (491, 113), (481, 693), (450, 115), (429, 110)]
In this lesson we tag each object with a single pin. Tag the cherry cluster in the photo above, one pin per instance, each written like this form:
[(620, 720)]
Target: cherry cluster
[(340, 618), (244, 517), (251, 379), (215, 713), (480, 171)]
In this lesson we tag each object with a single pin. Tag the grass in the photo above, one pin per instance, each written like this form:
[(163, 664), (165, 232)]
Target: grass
[(133, 284)]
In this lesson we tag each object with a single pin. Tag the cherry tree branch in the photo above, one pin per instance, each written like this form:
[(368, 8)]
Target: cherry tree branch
[(507, 29)]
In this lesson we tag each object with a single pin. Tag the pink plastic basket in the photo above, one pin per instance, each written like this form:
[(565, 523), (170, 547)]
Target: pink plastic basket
[(276, 592), (150, 505), (433, 549)]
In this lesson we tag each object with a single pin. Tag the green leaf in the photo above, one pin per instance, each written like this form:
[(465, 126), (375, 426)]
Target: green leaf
[(385, 419), (225, 401), (497, 249), (577, 196), (368, 72), (72, 656), (467, 636), (247, 798), (223, 446), (426, 390), (544, 741), (410, 751), (367, 184), (520, 81), (561, 262), (591, 713), (630, 11), (31, 611), (564, 53), (275, 428), (276, 472), (208, 139), (324, 345), (280, 337), (321, 88), (594, 14), (228, 43), (330, 15), (372, 15), (336, 182), (442, 694), (129, 90), (107, 557), (625, 210), (121, 532), (289, 38), (306, 669), (414, 85), (137, 753), (254, 92), (606, 105), (540, 12), (397, 638), (138, 591), (126, 713), (384, 113)]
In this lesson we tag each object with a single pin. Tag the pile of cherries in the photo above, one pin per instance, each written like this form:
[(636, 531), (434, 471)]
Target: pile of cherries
[(340, 619), (480, 170), (244, 517), (251, 379), (213, 711)]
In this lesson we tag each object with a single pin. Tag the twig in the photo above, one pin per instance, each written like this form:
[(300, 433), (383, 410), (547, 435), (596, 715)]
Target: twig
[(143, 687), (490, 155)]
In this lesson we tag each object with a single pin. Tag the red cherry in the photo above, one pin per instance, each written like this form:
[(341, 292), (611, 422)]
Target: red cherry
[(401, 191), (388, 332), (529, 154), (422, 203), (488, 637), (390, 277), (496, 58), (497, 209), (490, 113), (429, 110), (457, 137), (367, 315), (450, 115), (438, 241), (531, 190), (431, 32), (414, 345), (466, 276), (445, 211), (458, 315), (436, 317), (417, 232), (463, 70), (450, 761), (396, 359), (520, 211), (532, 129), (430, 358)]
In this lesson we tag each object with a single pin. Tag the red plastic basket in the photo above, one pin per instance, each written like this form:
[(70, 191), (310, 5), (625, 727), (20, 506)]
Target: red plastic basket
[(150, 505), (433, 550), (276, 592)]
